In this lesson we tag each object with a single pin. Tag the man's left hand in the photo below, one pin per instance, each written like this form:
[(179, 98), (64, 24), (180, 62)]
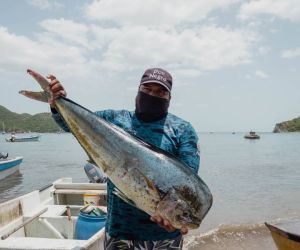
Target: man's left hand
[(164, 223)]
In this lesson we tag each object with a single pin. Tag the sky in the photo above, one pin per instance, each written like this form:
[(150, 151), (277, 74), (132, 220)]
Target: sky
[(235, 64)]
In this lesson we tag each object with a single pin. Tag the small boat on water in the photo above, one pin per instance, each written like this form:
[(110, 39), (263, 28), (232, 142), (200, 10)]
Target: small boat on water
[(46, 218), (252, 135), (23, 139), (286, 235), (9, 166)]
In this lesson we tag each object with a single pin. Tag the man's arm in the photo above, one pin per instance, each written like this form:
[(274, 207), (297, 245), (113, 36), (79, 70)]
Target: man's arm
[(188, 148)]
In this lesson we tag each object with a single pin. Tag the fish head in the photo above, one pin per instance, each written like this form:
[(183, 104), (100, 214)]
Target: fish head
[(181, 210)]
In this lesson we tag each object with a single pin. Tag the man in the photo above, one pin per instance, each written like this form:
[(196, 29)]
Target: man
[(127, 227)]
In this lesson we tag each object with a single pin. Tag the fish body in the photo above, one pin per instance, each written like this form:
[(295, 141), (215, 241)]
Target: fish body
[(145, 176)]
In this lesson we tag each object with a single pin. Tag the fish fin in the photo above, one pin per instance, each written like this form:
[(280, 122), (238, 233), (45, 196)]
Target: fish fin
[(39, 96), (123, 197), (45, 95), (150, 185), (42, 81)]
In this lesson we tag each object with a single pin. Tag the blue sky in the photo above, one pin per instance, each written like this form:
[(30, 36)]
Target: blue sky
[(235, 64)]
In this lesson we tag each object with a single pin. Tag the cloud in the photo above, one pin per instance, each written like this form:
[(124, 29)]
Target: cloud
[(154, 13), (78, 49), (261, 74), (202, 48), (284, 9), (45, 4), (264, 50), (291, 53), (166, 33), (68, 30), (19, 52)]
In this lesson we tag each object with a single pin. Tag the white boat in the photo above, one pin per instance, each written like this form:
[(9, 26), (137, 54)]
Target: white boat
[(252, 135), (9, 166), (46, 218)]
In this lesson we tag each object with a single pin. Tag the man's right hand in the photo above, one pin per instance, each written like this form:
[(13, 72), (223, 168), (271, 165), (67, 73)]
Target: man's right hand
[(56, 88)]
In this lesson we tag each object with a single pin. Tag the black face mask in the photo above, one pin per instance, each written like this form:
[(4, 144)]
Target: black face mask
[(150, 108)]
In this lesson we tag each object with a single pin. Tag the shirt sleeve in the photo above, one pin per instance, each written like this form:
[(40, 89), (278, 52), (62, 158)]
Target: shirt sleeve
[(188, 149), (107, 114)]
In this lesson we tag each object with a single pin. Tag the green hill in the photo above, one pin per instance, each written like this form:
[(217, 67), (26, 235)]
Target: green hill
[(13, 122), (288, 126)]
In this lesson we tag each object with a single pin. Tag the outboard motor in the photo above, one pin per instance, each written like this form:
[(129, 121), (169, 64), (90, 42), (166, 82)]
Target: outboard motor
[(3, 156), (94, 173)]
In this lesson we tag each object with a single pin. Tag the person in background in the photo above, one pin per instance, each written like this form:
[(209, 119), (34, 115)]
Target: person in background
[(3, 156), (13, 137), (127, 227)]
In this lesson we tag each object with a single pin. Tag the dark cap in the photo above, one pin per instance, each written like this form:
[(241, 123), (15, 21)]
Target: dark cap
[(159, 76)]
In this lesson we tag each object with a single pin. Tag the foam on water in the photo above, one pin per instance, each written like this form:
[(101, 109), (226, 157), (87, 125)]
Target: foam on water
[(235, 237)]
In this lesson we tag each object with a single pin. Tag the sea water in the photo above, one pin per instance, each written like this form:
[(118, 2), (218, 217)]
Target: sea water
[(252, 181)]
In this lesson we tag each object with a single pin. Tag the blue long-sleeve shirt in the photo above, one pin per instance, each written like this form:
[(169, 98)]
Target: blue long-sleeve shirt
[(171, 134)]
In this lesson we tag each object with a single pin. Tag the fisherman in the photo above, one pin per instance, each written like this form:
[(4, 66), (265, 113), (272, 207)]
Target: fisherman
[(128, 227), (3, 156), (13, 137)]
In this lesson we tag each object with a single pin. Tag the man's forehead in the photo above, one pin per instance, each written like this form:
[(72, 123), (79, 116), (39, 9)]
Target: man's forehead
[(154, 84)]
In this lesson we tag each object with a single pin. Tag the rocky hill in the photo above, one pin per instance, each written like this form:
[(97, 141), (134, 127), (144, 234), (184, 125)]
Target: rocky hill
[(13, 122), (288, 126)]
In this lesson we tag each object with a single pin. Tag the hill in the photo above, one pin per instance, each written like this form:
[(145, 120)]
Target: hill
[(288, 126), (13, 122)]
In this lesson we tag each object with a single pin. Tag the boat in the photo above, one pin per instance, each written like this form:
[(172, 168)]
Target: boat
[(23, 139), (46, 218), (9, 166), (252, 135), (286, 234)]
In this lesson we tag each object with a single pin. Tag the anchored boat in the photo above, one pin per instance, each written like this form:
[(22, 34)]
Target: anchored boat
[(9, 166), (46, 218), (23, 139), (286, 235), (252, 135)]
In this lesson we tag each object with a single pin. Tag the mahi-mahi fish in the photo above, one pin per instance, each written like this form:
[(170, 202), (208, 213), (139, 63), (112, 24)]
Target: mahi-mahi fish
[(144, 175)]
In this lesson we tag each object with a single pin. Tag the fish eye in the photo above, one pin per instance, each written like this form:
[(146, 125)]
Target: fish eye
[(185, 214)]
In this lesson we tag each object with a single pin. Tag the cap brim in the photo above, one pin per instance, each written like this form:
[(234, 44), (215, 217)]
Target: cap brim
[(158, 82)]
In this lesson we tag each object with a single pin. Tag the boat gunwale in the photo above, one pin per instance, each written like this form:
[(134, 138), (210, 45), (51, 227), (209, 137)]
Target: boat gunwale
[(4, 161), (285, 234)]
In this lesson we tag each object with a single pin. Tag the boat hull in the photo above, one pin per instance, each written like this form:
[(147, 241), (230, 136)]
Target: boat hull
[(8, 167), (284, 240), (24, 139), (251, 137)]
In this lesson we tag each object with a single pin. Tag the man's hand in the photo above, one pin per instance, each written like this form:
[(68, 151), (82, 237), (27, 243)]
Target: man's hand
[(167, 225), (56, 88)]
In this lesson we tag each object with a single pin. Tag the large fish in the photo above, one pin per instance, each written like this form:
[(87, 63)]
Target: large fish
[(145, 176)]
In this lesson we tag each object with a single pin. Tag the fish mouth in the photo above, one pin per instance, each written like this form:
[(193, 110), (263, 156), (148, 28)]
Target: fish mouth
[(193, 225)]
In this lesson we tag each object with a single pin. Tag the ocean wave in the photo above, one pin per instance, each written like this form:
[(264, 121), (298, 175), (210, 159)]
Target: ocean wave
[(234, 237)]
